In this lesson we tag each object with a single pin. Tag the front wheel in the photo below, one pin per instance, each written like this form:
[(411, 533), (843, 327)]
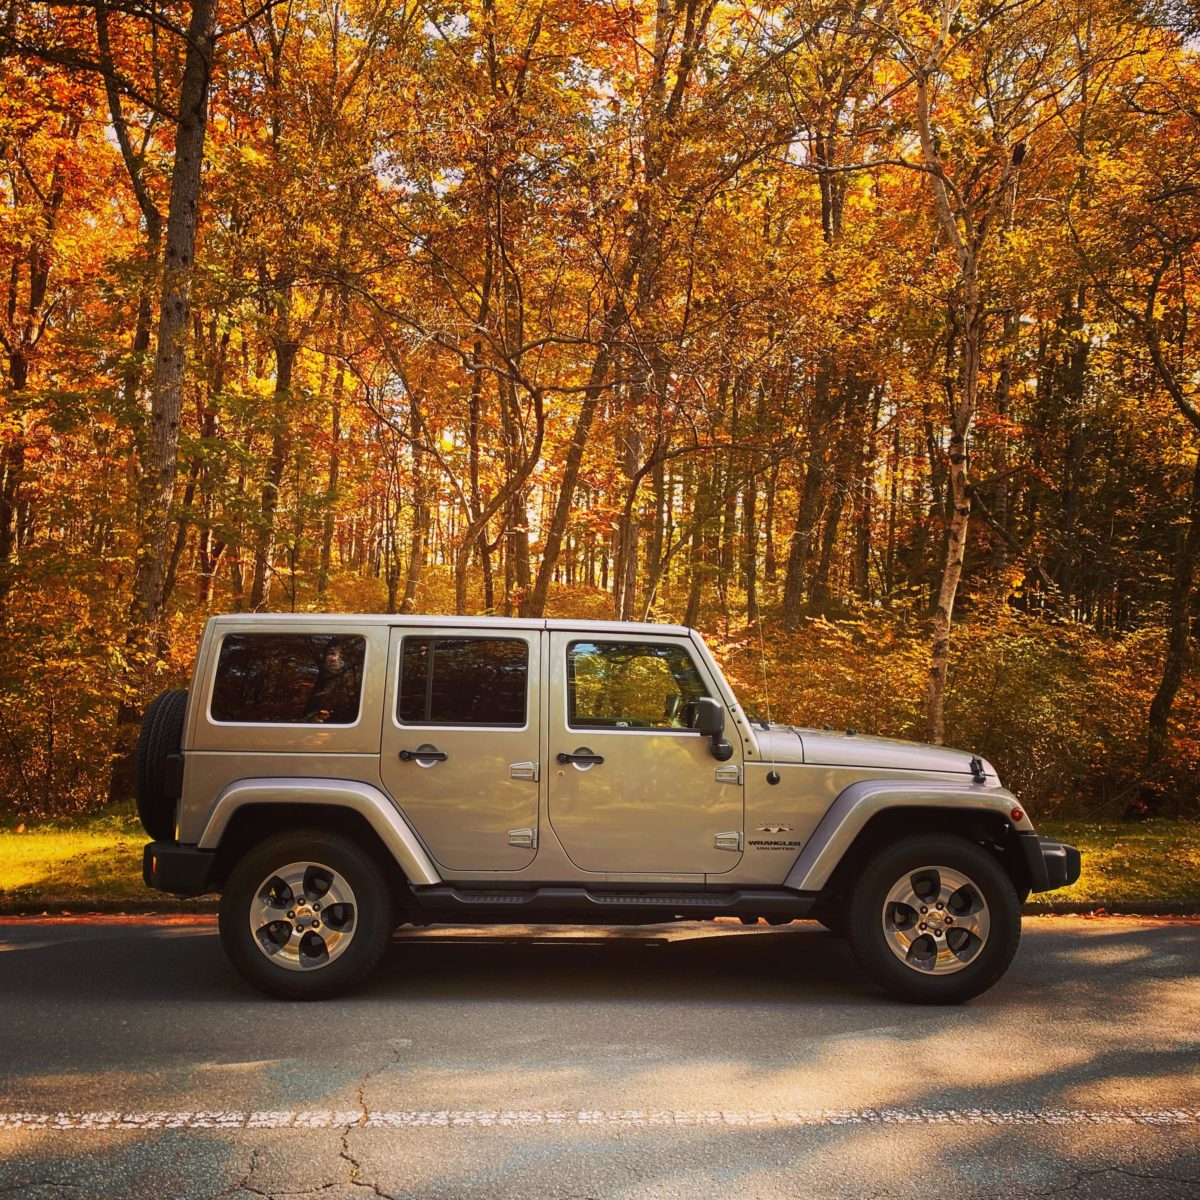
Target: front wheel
[(934, 919), (306, 915)]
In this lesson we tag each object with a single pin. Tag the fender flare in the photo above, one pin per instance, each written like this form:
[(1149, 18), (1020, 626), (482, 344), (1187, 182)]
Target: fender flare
[(848, 815), (369, 802)]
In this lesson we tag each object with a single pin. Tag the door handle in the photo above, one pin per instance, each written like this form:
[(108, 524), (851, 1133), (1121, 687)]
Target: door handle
[(421, 753), (580, 757)]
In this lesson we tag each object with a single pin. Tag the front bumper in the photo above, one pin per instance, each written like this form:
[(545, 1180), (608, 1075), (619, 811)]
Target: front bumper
[(180, 870), (1048, 864)]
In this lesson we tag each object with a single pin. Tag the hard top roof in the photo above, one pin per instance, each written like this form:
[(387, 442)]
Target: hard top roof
[(424, 621)]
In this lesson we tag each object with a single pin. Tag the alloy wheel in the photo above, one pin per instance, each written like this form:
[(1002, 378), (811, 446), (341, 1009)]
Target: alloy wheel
[(303, 916), (935, 920)]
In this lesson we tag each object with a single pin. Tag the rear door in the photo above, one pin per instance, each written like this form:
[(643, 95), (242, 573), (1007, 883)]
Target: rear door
[(460, 749), (658, 802)]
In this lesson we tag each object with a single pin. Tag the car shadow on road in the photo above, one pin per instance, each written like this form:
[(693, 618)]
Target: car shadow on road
[(149, 964), (796, 964)]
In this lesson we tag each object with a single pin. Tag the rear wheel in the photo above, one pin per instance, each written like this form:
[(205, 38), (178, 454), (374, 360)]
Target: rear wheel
[(306, 915), (934, 919)]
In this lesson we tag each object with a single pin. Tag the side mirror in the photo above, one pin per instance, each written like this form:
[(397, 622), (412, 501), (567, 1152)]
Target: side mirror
[(707, 717)]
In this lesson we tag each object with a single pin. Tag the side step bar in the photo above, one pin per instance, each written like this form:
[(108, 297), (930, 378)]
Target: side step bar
[(576, 905)]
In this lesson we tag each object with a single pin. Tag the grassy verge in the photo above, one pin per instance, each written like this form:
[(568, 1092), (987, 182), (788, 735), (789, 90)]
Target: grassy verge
[(1130, 863), (99, 858)]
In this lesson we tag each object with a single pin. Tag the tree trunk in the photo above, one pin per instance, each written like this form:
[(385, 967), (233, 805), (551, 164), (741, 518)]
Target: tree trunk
[(162, 442), (12, 469), (960, 515), (333, 477), (260, 586), (1178, 654), (564, 502), (770, 561), (420, 520), (1000, 465), (800, 550)]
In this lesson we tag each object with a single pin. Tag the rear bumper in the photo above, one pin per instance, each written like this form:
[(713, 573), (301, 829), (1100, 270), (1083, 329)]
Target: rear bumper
[(1048, 864), (180, 870)]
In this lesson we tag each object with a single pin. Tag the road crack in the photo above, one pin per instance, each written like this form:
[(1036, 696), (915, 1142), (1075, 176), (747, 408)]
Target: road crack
[(244, 1184), (1082, 1177), (364, 1114)]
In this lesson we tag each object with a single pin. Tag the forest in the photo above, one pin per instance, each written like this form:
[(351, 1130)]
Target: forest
[(859, 334)]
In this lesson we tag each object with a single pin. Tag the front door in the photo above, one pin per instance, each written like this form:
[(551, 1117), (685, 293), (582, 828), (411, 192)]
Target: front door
[(460, 750), (636, 791)]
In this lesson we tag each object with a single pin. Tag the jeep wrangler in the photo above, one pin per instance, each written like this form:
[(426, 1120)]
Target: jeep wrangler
[(335, 777)]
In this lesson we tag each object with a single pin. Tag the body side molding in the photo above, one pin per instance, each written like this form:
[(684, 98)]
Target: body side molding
[(380, 813), (855, 806)]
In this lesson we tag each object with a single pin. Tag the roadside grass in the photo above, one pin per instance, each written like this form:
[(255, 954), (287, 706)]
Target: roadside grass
[(97, 857), (73, 861), (1137, 862)]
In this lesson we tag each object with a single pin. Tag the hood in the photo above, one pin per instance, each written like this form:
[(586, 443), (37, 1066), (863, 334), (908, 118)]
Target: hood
[(839, 749)]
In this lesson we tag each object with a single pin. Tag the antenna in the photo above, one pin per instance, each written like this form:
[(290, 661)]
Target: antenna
[(772, 774)]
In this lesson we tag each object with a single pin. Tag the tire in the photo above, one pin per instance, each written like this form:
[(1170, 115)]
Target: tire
[(353, 944), (161, 735), (968, 942)]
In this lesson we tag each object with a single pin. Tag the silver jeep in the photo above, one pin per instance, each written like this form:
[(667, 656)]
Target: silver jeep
[(334, 777)]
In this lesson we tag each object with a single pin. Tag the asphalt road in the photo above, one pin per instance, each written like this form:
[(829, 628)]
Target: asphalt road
[(685, 1061)]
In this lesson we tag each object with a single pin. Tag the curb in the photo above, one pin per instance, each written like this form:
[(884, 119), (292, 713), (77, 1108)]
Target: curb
[(1115, 908), (79, 906)]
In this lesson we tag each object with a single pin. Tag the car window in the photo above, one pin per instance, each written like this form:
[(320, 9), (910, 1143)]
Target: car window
[(289, 678), (463, 681), (630, 685)]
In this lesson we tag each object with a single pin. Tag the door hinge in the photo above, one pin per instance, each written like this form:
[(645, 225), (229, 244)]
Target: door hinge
[(525, 770), (730, 773), (729, 841), (525, 838)]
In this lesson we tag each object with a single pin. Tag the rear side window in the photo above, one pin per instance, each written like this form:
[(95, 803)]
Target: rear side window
[(289, 678), (463, 681)]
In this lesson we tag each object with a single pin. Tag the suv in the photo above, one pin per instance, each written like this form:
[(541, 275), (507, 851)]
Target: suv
[(334, 777)]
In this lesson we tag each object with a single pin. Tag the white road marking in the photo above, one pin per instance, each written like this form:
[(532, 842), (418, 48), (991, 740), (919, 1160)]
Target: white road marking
[(585, 1118)]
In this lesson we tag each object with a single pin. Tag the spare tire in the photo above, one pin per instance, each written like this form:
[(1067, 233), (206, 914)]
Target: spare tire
[(156, 783)]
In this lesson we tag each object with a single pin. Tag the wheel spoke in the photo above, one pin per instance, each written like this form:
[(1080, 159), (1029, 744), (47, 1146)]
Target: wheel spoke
[(317, 882), (975, 923), (271, 902), (926, 885), (274, 935), (339, 917), (922, 953), (313, 951), (963, 945)]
